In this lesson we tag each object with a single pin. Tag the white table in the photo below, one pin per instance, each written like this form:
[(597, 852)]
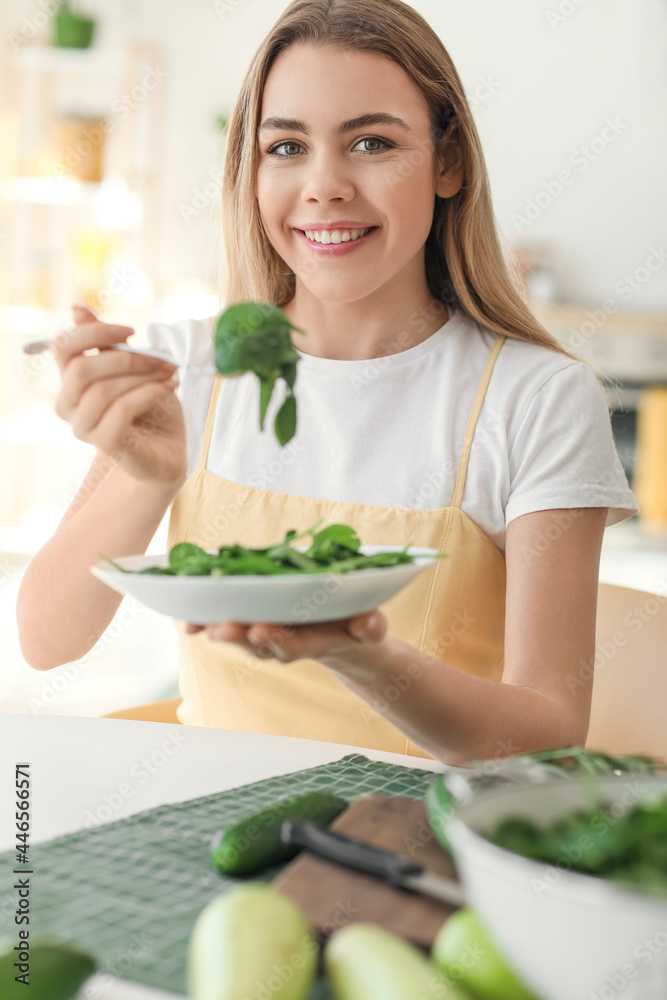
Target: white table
[(85, 772)]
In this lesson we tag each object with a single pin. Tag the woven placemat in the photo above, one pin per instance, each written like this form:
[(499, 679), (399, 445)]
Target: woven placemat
[(129, 891)]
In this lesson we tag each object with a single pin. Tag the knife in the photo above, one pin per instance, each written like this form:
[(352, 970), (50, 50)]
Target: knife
[(397, 869)]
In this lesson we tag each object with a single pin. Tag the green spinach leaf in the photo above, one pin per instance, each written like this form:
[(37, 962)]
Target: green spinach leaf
[(333, 549), (255, 337)]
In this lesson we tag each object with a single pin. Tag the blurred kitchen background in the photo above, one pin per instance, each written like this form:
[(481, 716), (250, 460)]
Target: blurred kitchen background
[(112, 126)]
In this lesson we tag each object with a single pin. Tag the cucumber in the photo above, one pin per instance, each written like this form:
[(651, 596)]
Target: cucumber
[(254, 843), (440, 807), (366, 962), (251, 943), (56, 972)]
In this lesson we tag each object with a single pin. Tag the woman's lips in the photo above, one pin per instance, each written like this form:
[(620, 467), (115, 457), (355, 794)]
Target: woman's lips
[(335, 249)]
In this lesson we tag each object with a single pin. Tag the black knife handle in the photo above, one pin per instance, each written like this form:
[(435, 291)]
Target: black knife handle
[(347, 851)]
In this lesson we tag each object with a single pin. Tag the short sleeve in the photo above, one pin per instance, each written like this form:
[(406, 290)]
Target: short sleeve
[(189, 342), (154, 336), (564, 453), (169, 337)]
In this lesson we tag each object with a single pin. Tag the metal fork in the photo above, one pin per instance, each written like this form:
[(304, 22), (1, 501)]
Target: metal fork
[(37, 346)]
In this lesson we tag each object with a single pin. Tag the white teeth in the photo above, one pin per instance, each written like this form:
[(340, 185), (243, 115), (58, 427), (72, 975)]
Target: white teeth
[(336, 235)]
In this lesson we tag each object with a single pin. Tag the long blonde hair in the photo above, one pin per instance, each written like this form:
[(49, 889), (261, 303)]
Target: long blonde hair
[(465, 264)]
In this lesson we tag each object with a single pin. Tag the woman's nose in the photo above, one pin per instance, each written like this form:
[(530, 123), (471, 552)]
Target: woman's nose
[(327, 177)]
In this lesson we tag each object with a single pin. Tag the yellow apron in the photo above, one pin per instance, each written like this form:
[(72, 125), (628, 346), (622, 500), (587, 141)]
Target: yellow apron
[(454, 611)]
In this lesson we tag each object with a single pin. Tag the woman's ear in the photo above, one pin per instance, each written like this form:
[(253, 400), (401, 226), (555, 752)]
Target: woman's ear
[(449, 170)]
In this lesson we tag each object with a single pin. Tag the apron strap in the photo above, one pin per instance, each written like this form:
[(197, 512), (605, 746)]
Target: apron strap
[(212, 405), (472, 423), (210, 417)]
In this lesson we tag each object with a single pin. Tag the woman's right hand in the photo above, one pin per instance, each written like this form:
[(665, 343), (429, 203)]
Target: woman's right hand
[(121, 403)]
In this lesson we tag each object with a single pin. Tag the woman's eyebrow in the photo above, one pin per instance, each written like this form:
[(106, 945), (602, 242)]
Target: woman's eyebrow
[(362, 121)]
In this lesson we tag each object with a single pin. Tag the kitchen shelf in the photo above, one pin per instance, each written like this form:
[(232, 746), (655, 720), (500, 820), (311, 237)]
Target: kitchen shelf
[(574, 314), (49, 196), (59, 59), (113, 204), (47, 190), (627, 346), (74, 227)]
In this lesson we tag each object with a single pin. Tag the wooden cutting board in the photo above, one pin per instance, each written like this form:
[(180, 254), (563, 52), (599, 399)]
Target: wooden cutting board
[(332, 896)]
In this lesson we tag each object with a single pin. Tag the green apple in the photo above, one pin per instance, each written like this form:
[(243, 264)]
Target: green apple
[(465, 954)]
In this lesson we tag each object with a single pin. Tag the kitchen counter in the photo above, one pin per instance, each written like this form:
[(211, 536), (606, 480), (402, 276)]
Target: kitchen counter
[(85, 772)]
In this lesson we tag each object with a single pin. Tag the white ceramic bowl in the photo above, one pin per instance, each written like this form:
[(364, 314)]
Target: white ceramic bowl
[(569, 936), (288, 599)]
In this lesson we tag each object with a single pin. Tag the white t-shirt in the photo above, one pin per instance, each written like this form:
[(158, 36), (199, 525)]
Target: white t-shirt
[(389, 431)]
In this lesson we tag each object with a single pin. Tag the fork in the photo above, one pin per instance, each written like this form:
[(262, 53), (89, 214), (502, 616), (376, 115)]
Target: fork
[(37, 346)]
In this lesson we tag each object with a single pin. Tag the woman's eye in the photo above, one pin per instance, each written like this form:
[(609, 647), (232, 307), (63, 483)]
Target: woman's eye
[(370, 138), (273, 150)]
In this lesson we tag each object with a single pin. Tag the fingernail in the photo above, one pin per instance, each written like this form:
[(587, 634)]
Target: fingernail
[(366, 629), (254, 637)]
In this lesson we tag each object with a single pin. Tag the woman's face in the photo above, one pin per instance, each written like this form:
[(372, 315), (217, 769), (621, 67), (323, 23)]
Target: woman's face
[(312, 176)]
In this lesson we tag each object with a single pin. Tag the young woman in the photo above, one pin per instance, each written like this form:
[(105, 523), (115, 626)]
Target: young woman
[(433, 410)]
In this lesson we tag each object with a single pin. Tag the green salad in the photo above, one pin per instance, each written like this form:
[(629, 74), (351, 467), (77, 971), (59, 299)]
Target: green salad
[(333, 549), (446, 792), (630, 848)]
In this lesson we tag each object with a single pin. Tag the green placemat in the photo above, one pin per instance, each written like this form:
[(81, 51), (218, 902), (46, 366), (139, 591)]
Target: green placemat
[(129, 891)]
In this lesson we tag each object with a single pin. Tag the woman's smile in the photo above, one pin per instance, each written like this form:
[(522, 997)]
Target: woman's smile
[(335, 242)]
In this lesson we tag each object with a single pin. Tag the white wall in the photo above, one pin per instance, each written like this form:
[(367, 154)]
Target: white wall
[(558, 83), (546, 84)]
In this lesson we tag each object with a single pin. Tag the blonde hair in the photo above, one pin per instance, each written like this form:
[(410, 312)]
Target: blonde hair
[(465, 265)]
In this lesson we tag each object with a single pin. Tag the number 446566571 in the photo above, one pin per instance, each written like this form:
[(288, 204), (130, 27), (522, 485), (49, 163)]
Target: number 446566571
[(22, 811)]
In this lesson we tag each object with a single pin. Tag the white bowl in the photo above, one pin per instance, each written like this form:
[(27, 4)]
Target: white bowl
[(570, 936), (290, 599)]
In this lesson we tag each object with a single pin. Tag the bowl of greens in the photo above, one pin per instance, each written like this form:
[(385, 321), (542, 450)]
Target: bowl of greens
[(449, 791), (333, 577), (570, 877)]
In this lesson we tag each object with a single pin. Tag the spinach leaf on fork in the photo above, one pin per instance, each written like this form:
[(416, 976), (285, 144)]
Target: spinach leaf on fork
[(254, 336)]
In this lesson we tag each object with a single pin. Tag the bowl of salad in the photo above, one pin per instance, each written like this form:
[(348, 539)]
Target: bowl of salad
[(570, 877), (332, 578)]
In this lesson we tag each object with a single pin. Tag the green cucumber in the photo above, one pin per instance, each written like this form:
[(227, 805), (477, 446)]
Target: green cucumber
[(251, 942), (440, 807), (53, 971), (254, 842), (367, 962)]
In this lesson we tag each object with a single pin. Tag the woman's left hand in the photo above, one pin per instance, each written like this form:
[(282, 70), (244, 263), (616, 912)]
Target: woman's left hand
[(340, 638)]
